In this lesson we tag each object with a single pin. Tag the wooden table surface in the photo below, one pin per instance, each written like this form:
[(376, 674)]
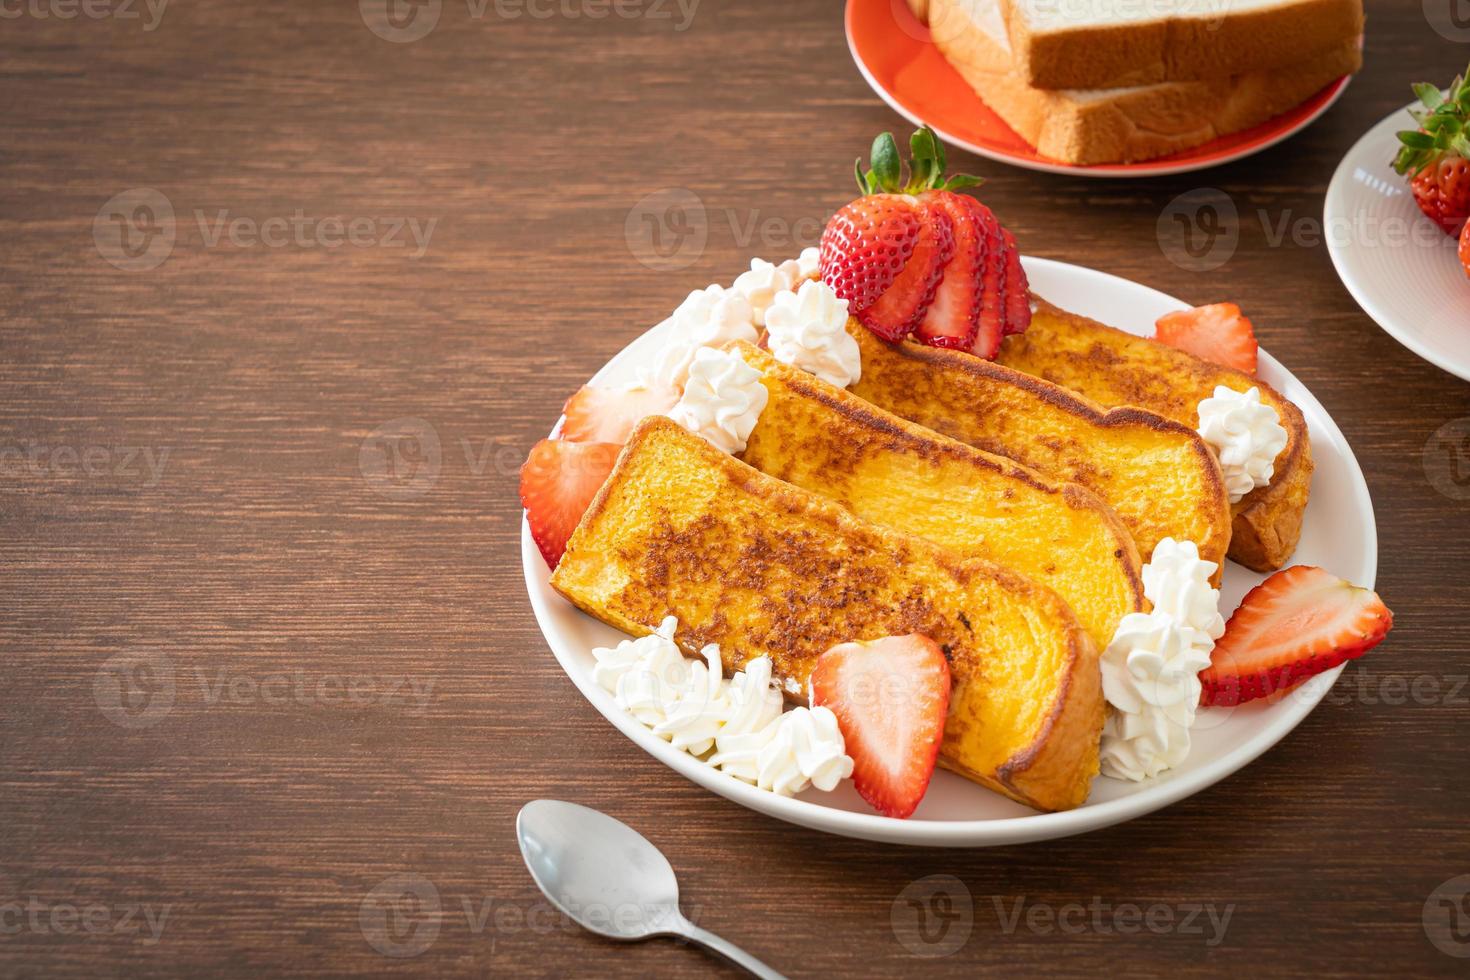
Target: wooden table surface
[(273, 690)]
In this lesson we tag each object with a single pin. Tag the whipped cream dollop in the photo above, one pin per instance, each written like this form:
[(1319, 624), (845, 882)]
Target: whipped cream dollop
[(766, 280), (1150, 670), (808, 330), (1246, 435), (723, 399), (708, 317), (688, 704)]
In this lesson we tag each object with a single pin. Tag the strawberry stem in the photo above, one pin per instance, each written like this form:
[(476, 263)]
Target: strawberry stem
[(925, 167), (1444, 126)]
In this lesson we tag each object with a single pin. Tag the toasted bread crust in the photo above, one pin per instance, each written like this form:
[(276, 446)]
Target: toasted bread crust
[(1158, 475), (893, 472), (1118, 368), (765, 569)]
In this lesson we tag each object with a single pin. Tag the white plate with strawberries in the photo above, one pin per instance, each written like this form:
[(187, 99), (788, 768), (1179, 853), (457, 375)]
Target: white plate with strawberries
[(1339, 535), (1393, 236)]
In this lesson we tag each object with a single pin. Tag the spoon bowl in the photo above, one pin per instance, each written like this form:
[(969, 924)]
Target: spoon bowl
[(607, 878)]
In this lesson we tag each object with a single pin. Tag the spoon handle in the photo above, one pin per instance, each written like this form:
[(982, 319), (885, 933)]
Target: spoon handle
[(728, 950)]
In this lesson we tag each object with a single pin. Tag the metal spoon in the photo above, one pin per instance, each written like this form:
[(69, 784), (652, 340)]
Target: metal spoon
[(609, 879)]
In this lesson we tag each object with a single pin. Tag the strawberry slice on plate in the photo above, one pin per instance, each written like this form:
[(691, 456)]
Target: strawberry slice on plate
[(953, 317), (903, 304), (1296, 624), (609, 414), (1218, 332), (866, 245), (558, 481), (1018, 288), (890, 697), (992, 290)]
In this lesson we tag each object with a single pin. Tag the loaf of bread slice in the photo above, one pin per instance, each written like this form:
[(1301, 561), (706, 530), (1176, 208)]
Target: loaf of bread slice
[(1090, 44), (1158, 475), (766, 569), (978, 505), (1112, 367), (1129, 124)]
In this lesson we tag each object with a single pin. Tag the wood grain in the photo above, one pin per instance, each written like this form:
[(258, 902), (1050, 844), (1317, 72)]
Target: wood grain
[(268, 566)]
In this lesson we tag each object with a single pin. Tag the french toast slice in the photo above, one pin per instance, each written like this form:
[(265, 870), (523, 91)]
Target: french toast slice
[(892, 472), (1117, 368), (764, 568), (1159, 476)]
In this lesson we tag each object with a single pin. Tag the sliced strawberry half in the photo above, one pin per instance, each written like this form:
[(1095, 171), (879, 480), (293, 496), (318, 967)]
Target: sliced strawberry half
[(903, 304), (1218, 332), (1017, 289), (890, 697), (953, 317), (867, 245), (1297, 623), (558, 481), (885, 252), (992, 289), (609, 414)]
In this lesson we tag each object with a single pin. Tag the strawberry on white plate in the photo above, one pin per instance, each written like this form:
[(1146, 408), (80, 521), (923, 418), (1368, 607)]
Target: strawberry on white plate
[(891, 697), (1218, 332), (596, 414), (558, 481)]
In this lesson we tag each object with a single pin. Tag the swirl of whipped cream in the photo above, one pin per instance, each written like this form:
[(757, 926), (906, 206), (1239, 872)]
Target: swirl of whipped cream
[(805, 748), (1150, 670), (807, 263), (754, 707), (765, 281), (708, 317), (1177, 581), (689, 705), (1246, 435), (723, 399), (808, 330)]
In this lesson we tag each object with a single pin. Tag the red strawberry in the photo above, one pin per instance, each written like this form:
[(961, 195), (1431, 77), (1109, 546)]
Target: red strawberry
[(992, 290), (866, 245), (609, 414), (1297, 623), (890, 697), (1018, 289), (1219, 333), (558, 481), (885, 252), (1436, 154), (954, 316), (1465, 248), (902, 305)]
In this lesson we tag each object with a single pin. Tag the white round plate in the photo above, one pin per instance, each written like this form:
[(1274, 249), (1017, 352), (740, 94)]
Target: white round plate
[(1399, 266), (1339, 534)]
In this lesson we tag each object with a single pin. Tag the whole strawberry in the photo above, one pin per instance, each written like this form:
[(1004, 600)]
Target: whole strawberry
[(1437, 154)]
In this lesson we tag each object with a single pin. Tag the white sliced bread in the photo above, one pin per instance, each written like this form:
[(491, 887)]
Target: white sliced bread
[(1120, 125), (1087, 44)]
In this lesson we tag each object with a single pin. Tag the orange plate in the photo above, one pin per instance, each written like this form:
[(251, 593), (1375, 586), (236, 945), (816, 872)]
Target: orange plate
[(893, 51)]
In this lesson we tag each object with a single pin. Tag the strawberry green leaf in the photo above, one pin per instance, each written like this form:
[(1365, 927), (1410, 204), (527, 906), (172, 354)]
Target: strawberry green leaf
[(1429, 94), (887, 168)]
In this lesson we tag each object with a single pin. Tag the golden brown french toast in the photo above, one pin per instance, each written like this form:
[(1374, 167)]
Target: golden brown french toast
[(892, 472), (766, 569), (1158, 475), (1117, 368)]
